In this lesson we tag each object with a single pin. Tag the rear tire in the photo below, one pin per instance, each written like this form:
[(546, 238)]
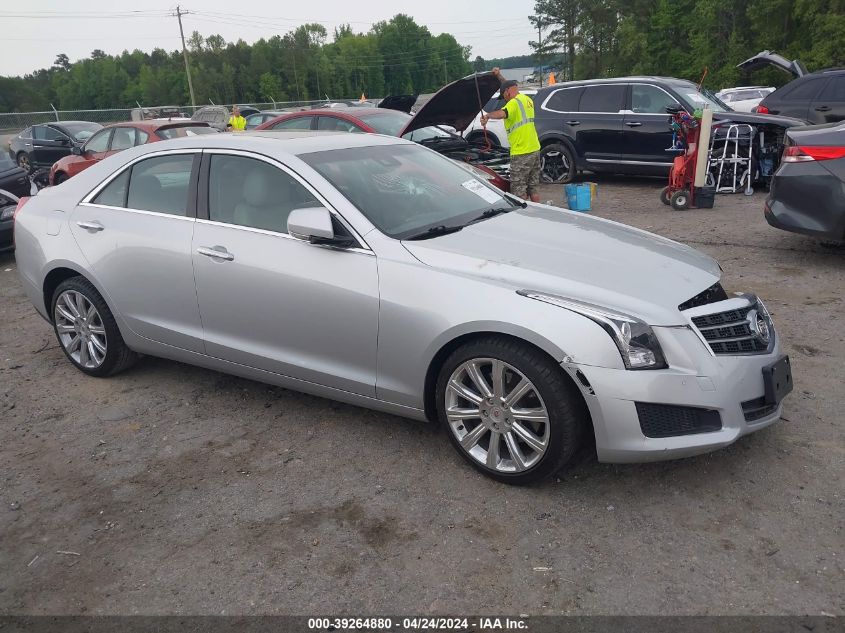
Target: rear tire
[(530, 422), (557, 164), (665, 196), (86, 329)]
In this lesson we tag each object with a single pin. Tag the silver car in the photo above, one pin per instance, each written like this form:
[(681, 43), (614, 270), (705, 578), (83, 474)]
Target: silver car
[(375, 271)]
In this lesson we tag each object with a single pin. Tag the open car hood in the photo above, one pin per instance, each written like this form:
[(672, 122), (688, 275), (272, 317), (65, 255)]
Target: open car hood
[(768, 58), (403, 103), (456, 104)]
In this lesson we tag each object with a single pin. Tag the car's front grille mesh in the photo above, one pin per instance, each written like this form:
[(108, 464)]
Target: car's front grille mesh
[(730, 332), (664, 420)]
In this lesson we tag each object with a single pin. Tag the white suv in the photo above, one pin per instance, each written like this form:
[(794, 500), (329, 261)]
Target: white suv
[(495, 127)]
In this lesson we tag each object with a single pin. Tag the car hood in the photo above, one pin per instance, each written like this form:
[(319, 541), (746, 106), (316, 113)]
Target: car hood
[(757, 119), (10, 170), (768, 58), (403, 103), (456, 104), (573, 255)]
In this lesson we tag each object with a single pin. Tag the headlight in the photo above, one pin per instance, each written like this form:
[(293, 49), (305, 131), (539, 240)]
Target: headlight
[(635, 339), (7, 213)]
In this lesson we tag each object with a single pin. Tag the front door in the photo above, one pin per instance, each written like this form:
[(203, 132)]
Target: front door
[(274, 302), (645, 129), (136, 235), (48, 145)]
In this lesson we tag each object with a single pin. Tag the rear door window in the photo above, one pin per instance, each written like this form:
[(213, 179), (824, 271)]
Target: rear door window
[(805, 90), (161, 184), (47, 133), (564, 100), (834, 90), (296, 123), (335, 124), (99, 142), (114, 194), (604, 98)]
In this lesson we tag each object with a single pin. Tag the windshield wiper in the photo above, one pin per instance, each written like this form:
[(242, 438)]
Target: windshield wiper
[(489, 213), (435, 231)]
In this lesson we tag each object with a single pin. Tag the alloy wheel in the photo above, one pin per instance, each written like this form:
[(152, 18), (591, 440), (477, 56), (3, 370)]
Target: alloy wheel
[(80, 328), (554, 166), (497, 415), (24, 162)]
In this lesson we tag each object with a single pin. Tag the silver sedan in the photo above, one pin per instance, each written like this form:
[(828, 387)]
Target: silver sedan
[(375, 271)]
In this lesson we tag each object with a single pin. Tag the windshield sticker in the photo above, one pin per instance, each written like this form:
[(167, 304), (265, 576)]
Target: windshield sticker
[(488, 195)]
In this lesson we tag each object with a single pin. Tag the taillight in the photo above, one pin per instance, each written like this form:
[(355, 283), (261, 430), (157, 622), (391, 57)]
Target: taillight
[(761, 109), (808, 153)]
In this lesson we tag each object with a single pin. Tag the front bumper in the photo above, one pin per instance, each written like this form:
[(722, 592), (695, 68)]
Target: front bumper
[(696, 378)]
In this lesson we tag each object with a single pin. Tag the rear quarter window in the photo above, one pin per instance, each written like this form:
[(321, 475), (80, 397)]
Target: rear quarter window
[(804, 89), (564, 100)]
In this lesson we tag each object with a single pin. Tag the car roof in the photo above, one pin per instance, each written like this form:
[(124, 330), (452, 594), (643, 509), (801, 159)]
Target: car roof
[(152, 125), (61, 123), (273, 142)]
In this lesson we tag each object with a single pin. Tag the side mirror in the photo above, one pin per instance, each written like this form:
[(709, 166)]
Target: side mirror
[(311, 223), (64, 142), (76, 150)]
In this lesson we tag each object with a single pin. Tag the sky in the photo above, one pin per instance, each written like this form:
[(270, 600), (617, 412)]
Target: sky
[(32, 33)]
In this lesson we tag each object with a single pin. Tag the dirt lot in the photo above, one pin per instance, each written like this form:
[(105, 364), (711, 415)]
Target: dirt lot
[(171, 489)]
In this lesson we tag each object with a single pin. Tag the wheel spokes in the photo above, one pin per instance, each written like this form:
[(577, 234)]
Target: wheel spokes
[(516, 453), (522, 388), (492, 460), (456, 413), (474, 373), (464, 392), (531, 415), (537, 444), (472, 438)]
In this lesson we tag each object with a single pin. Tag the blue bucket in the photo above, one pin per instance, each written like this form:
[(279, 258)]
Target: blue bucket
[(579, 196)]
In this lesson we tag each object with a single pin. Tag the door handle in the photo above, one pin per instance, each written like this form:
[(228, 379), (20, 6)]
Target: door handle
[(823, 109), (633, 124), (573, 122), (213, 252), (90, 226)]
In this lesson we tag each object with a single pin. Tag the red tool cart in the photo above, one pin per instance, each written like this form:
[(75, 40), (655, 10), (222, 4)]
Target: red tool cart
[(682, 192)]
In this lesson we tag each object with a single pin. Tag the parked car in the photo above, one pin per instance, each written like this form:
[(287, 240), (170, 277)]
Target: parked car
[(744, 98), (13, 179), (496, 133), (254, 120), (455, 105), (817, 97), (163, 112), (44, 144), (119, 137), (621, 126), (215, 116), (247, 110), (808, 190), (8, 204), (419, 290)]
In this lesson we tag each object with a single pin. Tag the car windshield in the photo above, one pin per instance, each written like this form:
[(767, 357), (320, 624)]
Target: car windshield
[(186, 130), (699, 99), (405, 190), (82, 131), (389, 122)]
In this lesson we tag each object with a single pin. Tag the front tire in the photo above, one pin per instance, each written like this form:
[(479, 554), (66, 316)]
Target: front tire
[(86, 329), (509, 410), (557, 164), (680, 200), (665, 196)]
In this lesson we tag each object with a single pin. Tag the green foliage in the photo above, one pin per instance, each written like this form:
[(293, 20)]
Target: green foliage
[(396, 56), (681, 38)]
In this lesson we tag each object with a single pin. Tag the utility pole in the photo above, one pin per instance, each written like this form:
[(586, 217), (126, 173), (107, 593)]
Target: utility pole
[(540, 48), (179, 14)]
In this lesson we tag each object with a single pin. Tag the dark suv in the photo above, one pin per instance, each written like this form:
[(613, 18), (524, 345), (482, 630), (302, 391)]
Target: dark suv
[(621, 125), (818, 97)]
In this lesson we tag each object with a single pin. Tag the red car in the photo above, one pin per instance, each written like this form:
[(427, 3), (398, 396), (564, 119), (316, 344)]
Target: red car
[(456, 105), (121, 136)]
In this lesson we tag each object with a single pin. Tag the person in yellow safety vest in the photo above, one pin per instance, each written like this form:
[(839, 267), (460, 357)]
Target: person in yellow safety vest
[(236, 122), (518, 115)]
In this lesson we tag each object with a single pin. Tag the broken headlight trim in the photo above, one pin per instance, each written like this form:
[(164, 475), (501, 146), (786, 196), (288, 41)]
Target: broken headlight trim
[(634, 338)]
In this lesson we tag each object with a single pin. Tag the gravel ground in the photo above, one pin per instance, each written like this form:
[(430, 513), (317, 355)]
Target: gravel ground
[(175, 490)]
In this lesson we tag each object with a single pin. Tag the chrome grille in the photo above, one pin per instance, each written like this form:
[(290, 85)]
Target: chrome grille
[(731, 332)]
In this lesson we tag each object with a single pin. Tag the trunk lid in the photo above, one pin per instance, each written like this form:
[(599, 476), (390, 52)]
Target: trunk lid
[(768, 58)]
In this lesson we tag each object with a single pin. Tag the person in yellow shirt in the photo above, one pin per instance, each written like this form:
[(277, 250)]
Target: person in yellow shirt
[(518, 115), (236, 122)]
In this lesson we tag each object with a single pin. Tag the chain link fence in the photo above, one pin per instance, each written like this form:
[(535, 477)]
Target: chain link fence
[(13, 122)]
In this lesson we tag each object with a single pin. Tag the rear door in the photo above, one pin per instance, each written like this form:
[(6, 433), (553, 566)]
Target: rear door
[(795, 98), (557, 114), (645, 128), (49, 145), (304, 122), (829, 105), (95, 149), (598, 127), (135, 233)]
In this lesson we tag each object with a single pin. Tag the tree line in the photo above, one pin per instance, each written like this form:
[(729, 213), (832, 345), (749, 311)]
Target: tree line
[(680, 38), (394, 57)]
